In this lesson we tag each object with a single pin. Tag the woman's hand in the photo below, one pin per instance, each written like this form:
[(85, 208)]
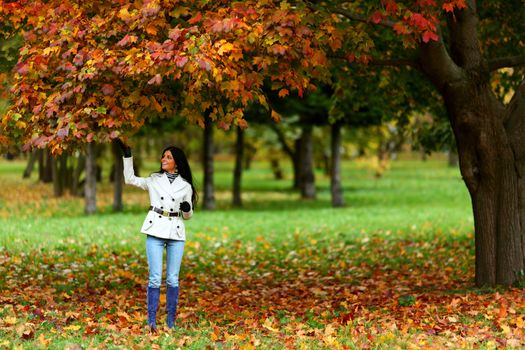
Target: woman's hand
[(185, 207), (126, 150)]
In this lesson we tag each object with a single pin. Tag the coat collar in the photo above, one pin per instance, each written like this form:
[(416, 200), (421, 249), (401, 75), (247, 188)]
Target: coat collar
[(177, 184)]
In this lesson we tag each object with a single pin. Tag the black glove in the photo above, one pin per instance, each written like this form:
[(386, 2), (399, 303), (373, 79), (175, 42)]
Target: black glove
[(126, 150), (185, 207)]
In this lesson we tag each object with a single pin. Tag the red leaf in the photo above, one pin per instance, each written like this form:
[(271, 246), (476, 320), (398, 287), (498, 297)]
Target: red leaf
[(195, 19), (156, 80), (107, 89), (428, 35), (377, 17)]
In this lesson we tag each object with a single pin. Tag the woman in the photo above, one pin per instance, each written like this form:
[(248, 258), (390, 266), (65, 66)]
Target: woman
[(172, 197)]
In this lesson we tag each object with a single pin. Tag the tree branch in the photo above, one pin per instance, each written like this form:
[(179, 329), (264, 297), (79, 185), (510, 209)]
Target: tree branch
[(399, 62), (506, 62), (355, 17), (350, 15)]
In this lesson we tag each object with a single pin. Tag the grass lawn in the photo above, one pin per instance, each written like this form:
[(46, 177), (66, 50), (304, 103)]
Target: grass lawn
[(394, 268)]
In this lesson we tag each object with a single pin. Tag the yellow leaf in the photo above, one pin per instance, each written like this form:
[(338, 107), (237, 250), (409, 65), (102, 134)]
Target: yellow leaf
[(10, 320), (73, 327), (268, 324), (226, 48)]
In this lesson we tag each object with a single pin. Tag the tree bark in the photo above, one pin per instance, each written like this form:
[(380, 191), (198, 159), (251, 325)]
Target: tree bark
[(209, 192), (293, 154), (90, 186), (307, 178), (47, 167), (31, 164), (118, 178), (237, 172), (77, 171), (335, 167), (59, 174), (489, 138)]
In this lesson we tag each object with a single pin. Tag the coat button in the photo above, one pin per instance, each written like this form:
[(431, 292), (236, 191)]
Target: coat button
[(170, 219), (173, 199), (171, 209), (150, 222), (178, 226), (161, 207), (162, 198), (160, 216)]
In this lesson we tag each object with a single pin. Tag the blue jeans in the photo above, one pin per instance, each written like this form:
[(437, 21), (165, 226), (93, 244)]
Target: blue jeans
[(155, 250)]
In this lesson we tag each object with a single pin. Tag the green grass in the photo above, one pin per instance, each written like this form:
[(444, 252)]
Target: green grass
[(413, 199)]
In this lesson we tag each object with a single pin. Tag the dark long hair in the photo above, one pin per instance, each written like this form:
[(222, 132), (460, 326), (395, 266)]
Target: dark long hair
[(183, 168)]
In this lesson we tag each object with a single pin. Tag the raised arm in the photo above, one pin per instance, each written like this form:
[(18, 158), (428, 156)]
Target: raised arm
[(129, 172)]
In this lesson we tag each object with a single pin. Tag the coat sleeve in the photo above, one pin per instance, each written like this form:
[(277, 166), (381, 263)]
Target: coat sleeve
[(129, 175), (187, 198)]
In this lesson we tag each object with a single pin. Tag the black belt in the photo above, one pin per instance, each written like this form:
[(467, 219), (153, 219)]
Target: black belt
[(163, 212)]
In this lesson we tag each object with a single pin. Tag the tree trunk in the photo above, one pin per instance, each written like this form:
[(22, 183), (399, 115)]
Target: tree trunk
[(335, 167), (31, 164), (118, 178), (293, 154), (488, 167), (276, 168), (77, 171), (237, 172), (489, 138), (307, 178), (90, 186), (209, 192), (296, 163), (59, 174), (46, 175)]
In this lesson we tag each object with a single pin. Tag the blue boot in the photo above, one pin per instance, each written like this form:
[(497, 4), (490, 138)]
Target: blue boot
[(172, 299), (153, 305)]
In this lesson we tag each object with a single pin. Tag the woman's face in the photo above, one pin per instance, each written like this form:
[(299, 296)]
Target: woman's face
[(168, 163)]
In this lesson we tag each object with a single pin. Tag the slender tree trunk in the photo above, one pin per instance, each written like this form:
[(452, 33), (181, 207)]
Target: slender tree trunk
[(335, 167), (47, 167), (237, 172), (90, 189), (307, 178), (209, 192), (30, 164), (297, 162), (77, 171), (118, 178), (293, 154), (59, 174), (40, 160), (276, 168)]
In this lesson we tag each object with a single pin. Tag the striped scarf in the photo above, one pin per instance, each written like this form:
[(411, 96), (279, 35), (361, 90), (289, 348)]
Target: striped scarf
[(171, 176)]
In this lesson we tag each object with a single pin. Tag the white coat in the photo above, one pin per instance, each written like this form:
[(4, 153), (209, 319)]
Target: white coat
[(165, 196)]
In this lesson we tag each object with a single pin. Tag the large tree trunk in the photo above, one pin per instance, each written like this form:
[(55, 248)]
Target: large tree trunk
[(335, 167), (489, 138), (237, 172), (90, 186), (209, 192), (118, 176), (488, 167), (307, 178)]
